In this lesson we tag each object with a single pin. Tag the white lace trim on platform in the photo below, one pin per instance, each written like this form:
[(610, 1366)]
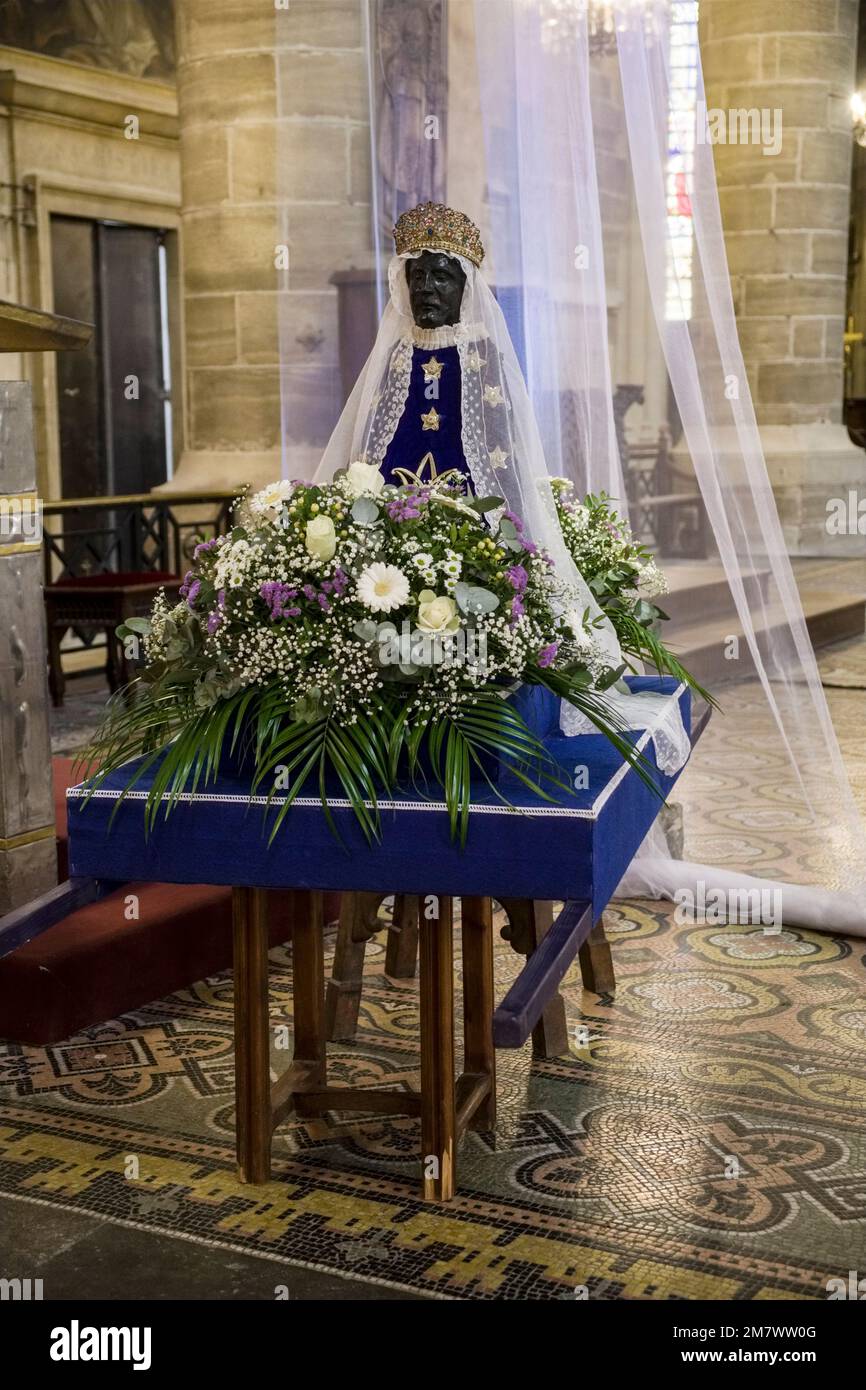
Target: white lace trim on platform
[(658, 714)]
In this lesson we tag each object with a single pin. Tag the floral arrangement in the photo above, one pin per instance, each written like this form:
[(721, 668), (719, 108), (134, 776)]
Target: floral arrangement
[(622, 575), (355, 633)]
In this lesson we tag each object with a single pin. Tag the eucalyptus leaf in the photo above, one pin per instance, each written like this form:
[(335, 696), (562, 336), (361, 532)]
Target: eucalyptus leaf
[(472, 598), (645, 612), (206, 694), (365, 511), (308, 708)]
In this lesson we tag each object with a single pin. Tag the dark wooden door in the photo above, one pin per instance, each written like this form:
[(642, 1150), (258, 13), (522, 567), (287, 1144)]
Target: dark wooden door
[(111, 398), (79, 374)]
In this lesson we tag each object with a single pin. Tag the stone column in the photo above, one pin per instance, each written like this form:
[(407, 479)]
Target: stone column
[(28, 856), (786, 230), (274, 148)]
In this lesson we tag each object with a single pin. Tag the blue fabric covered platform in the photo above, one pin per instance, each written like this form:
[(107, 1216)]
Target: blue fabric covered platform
[(577, 848)]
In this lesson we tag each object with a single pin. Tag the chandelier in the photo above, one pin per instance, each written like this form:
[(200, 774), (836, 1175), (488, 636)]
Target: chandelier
[(563, 20)]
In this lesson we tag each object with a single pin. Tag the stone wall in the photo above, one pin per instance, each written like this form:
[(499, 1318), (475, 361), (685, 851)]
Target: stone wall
[(786, 231), (64, 147), (275, 150)]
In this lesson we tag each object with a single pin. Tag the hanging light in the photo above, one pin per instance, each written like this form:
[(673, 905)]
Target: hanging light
[(562, 21), (858, 117)]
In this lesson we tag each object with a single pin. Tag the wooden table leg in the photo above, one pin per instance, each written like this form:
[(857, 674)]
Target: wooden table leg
[(479, 1054), (56, 679), (401, 950), (252, 1068), (112, 674), (357, 924), (438, 1111), (308, 991), (528, 923), (596, 965)]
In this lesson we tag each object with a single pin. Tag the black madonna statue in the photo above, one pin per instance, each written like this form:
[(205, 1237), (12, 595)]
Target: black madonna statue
[(430, 426), (441, 400), (433, 396)]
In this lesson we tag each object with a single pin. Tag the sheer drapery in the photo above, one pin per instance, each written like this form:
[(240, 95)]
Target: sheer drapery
[(601, 151), (585, 167)]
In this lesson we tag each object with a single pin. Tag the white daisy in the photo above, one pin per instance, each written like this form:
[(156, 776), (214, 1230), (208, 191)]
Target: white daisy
[(382, 588), (268, 502)]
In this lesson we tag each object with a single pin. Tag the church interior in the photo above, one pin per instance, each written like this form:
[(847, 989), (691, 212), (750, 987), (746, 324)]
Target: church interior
[(196, 208)]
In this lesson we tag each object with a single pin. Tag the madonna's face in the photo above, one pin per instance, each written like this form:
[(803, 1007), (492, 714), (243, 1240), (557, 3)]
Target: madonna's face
[(435, 288)]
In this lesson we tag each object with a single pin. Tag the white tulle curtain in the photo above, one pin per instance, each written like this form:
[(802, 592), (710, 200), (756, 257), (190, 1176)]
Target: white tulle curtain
[(546, 254), (571, 138), (586, 149)]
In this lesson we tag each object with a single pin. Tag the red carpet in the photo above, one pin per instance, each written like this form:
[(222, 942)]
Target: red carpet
[(142, 942)]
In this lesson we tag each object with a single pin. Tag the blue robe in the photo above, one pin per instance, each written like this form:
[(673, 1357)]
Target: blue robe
[(411, 440)]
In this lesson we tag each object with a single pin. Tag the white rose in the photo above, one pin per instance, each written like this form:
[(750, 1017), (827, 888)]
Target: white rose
[(437, 613), (321, 538), (363, 478)]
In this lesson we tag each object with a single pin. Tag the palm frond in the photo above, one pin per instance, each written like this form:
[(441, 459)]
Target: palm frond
[(642, 642)]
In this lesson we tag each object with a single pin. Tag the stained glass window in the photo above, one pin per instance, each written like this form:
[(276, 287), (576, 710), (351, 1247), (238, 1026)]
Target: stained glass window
[(683, 40)]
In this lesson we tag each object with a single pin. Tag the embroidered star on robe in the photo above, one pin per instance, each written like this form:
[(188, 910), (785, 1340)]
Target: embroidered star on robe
[(432, 370), (430, 421)]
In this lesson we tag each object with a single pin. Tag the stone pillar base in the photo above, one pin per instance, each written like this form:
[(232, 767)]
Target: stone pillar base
[(26, 872), (809, 466), (209, 470), (28, 859)]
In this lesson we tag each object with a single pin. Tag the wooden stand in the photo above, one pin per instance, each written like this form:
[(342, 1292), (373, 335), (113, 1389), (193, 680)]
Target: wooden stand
[(358, 922), (528, 923), (447, 1107)]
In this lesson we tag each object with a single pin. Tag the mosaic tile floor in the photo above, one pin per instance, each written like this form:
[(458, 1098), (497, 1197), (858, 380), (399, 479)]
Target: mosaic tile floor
[(705, 1139)]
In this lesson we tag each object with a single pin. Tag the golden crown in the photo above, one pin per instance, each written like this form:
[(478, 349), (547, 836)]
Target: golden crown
[(433, 227)]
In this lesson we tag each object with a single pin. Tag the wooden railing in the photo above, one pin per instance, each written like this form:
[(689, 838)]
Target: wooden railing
[(141, 532)]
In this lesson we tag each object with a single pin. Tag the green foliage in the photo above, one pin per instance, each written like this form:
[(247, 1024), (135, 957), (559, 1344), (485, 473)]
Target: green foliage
[(638, 639), (287, 745)]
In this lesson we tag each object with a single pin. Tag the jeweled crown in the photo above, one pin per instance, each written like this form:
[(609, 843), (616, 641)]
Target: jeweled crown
[(433, 227)]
